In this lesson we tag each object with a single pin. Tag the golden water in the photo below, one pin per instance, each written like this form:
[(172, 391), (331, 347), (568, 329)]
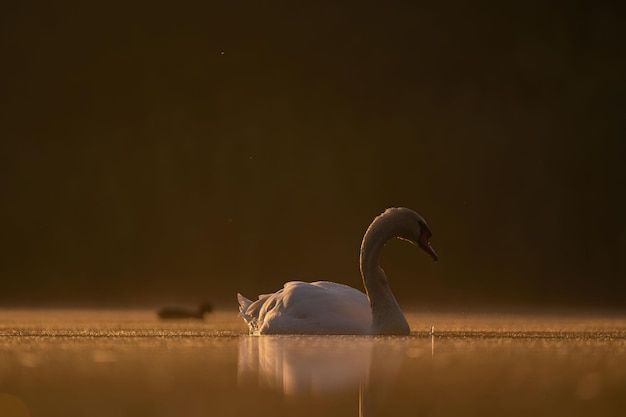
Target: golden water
[(129, 363)]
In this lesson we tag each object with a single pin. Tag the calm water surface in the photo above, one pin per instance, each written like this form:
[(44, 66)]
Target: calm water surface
[(128, 363)]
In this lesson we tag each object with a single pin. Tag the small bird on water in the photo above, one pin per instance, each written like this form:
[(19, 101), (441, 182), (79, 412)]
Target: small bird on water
[(183, 313)]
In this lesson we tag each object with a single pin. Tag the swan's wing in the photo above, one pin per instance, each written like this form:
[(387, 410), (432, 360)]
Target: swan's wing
[(320, 307)]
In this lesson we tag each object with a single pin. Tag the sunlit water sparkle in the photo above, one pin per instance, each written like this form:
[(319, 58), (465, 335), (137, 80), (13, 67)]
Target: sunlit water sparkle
[(129, 363)]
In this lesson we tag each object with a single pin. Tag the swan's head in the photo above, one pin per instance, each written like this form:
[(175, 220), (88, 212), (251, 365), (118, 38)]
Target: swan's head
[(413, 228), (423, 241)]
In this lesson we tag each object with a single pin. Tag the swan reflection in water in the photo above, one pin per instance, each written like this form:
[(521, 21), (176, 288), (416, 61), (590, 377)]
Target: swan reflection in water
[(318, 366), (297, 365)]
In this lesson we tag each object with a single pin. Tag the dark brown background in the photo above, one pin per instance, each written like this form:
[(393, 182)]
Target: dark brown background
[(139, 164)]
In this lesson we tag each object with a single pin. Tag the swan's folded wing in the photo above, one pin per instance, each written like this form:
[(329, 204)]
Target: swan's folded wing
[(316, 308)]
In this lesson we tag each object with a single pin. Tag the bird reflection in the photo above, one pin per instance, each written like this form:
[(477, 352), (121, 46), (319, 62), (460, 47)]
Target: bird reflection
[(297, 365), (318, 366)]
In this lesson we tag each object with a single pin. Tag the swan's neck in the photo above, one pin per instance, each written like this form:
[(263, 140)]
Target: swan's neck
[(387, 318)]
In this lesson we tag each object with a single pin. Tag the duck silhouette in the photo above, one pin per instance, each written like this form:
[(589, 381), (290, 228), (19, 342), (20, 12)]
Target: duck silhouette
[(184, 313)]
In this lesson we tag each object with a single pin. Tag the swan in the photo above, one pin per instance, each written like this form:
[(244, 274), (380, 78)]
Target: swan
[(324, 307)]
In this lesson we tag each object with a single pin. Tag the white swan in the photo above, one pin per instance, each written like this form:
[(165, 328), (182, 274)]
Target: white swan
[(328, 308)]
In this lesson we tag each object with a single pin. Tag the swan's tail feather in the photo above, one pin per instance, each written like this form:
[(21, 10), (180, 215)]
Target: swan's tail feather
[(244, 303)]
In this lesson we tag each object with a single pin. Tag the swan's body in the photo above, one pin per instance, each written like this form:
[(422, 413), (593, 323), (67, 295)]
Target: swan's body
[(328, 308), (320, 307)]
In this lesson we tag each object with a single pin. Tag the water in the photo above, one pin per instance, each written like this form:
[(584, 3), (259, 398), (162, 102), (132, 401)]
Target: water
[(128, 363)]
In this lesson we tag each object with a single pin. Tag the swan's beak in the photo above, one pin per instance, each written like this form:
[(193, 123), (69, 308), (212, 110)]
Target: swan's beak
[(424, 243), (429, 250)]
